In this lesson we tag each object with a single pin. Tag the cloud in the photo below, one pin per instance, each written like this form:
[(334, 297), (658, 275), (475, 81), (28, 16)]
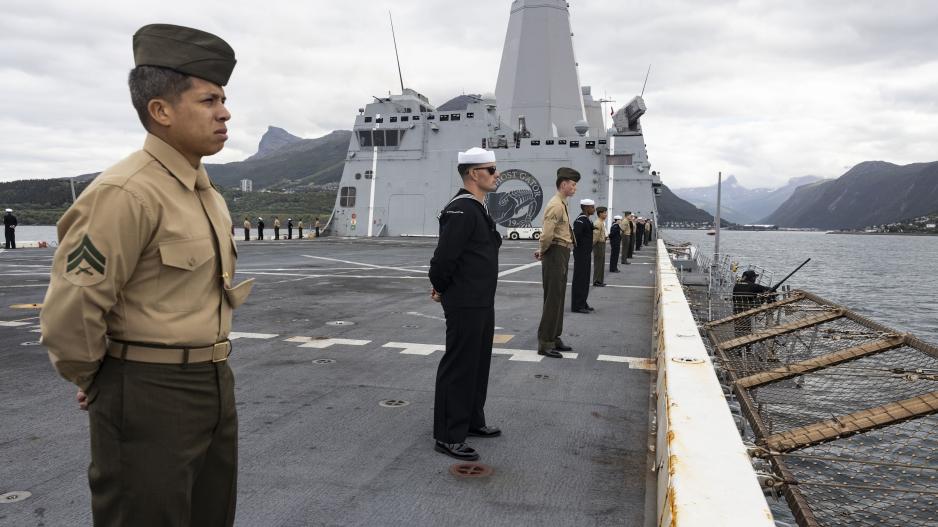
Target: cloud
[(764, 90)]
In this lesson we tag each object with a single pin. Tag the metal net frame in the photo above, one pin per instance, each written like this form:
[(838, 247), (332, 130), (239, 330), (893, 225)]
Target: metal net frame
[(842, 409)]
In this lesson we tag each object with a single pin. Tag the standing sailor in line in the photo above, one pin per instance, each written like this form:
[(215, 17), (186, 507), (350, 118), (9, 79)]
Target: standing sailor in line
[(554, 254), (299, 232), (582, 254), (247, 229), (289, 228), (260, 228), (626, 225), (615, 238), (276, 228), (464, 274), (639, 233), (599, 247), (138, 317), (9, 229)]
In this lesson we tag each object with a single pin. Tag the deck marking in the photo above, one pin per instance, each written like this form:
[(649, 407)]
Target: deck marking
[(240, 335), (419, 314), (310, 342), (635, 363), (409, 348), (526, 355), (519, 268), (366, 264), (12, 324), (501, 339)]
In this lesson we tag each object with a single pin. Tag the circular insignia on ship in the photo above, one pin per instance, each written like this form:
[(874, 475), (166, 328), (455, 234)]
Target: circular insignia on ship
[(517, 200)]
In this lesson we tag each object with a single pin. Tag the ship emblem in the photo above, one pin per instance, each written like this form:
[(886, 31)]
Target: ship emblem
[(517, 200)]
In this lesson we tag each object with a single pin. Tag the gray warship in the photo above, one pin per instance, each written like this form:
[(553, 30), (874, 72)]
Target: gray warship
[(401, 163)]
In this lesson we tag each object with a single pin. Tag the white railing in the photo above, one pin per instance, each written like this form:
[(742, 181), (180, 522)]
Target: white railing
[(705, 477)]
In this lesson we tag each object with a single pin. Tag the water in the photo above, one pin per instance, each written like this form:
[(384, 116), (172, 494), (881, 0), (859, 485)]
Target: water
[(890, 279)]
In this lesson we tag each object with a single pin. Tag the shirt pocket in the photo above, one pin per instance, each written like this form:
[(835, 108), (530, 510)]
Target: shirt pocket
[(185, 281)]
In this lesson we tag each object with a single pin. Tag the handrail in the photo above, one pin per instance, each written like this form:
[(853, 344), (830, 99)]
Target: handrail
[(705, 476)]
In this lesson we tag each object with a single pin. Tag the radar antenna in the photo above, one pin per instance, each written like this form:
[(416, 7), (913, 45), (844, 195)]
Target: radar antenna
[(647, 73), (396, 56)]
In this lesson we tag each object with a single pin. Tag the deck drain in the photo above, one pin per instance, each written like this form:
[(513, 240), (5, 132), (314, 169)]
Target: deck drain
[(541, 376), (15, 496), (470, 470), (393, 403), (340, 323), (410, 326), (687, 360), (324, 361), (30, 343)]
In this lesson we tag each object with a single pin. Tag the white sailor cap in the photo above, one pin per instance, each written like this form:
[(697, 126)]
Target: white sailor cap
[(476, 156), (587, 202), (617, 217), (260, 218), (9, 210)]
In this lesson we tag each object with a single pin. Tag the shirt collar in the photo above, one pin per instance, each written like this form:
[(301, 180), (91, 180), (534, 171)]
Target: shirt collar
[(176, 164)]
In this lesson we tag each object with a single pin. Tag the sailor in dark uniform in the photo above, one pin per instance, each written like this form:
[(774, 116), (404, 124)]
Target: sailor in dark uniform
[(615, 238), (582, 254), (639, 233), (747, 294), (260, 228), (464, 274), (9, 229), (289, 228)]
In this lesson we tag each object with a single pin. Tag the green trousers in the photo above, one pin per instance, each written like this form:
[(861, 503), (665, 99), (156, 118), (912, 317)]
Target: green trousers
[(599, 262), (554, 265), (164, 444)]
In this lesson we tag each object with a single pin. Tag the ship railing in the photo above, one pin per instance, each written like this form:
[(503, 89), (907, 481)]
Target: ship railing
[(704, 474)]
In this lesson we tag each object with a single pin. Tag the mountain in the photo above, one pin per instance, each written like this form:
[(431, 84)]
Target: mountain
[(672, 209), (740, 204), (293, 164), (272, 140), (871, 193)]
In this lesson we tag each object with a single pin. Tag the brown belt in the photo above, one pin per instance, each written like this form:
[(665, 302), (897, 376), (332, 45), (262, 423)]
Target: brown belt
[(562, 243), (160, 354)]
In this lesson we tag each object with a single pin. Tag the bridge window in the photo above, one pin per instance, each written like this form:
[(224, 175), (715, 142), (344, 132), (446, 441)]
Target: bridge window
[(574, 144), (619, 159), (364, 138), (347, 197), (535, 142), (590, 144), (548, 141), (405, 118), (416, 117), (393, 119), (470, 115), (454, 116), (367, 118), (444, 117)]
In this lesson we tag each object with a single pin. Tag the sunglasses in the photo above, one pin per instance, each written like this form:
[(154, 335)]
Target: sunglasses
[(490, 170)]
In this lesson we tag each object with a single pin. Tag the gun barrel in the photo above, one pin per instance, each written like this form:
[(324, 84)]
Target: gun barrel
[(776, 286)]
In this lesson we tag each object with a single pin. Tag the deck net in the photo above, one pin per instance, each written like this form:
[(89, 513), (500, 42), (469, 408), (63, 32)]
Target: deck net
[(842, 410)]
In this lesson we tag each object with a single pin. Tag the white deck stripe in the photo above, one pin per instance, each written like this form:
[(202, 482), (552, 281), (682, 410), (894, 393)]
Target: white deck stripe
[(366, 264), (239, 335), (519, 268)]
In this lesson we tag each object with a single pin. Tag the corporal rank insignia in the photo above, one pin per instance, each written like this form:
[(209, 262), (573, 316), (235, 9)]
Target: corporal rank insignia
[(86, 264)]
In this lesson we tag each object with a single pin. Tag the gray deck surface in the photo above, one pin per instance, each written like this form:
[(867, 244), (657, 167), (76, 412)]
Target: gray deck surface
[(315, 446)]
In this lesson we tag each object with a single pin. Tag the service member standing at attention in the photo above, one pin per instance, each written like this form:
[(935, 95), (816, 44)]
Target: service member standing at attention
[(276, 228), (554, 254), (289, 228), (599, 247), (247, 229), (639, 233), (582, 254), (9, 229), (260, 228), (464, 274), (299, 232), (626, 226), (138, 317), (615, 238)]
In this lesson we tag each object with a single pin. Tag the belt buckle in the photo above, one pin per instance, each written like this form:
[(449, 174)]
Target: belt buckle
[(220, 351)]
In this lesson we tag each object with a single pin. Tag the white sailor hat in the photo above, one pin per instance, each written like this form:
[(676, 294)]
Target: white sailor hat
[(617, 217), (476, 156), (9, 210), (587, 202)]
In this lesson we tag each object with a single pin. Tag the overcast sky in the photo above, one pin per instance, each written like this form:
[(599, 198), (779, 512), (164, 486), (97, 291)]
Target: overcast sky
[(764, 90)]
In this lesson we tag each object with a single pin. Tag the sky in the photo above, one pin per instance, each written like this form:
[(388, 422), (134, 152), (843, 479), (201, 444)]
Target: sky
[(763, 90)]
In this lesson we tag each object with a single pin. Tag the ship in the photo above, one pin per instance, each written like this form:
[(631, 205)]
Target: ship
[(400, 168)]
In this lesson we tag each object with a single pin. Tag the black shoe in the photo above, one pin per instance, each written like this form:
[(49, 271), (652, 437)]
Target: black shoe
[(614, 271), (485, 431), (582, 310), (599, 284), (554, 354), (590, 308), (457, 450), (560, 346)]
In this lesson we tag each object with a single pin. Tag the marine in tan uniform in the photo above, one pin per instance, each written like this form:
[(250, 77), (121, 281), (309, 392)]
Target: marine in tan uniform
[(599, 247), (626, 226), (247, 229), (138, 317), (276, 228), (554, 253)]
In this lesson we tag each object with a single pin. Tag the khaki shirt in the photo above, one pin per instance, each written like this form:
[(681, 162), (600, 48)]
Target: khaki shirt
[(276, 223), (247, 224), (626, 227), (556, 223), (145, 255), (599, 231)]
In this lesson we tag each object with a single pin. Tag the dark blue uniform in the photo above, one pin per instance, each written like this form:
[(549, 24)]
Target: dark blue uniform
[(615, 238), (582, 256), (464, 270)]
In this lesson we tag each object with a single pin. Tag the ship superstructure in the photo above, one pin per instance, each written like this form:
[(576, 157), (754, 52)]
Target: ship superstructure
[(401, 164)]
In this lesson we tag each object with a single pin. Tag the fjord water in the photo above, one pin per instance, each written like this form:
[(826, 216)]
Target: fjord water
[(889, 278)]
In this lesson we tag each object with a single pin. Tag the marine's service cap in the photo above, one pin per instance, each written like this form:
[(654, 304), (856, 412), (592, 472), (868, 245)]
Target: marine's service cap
[(600, 210), (476, 156), (186, 50), (567, 173), (587, 202)]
